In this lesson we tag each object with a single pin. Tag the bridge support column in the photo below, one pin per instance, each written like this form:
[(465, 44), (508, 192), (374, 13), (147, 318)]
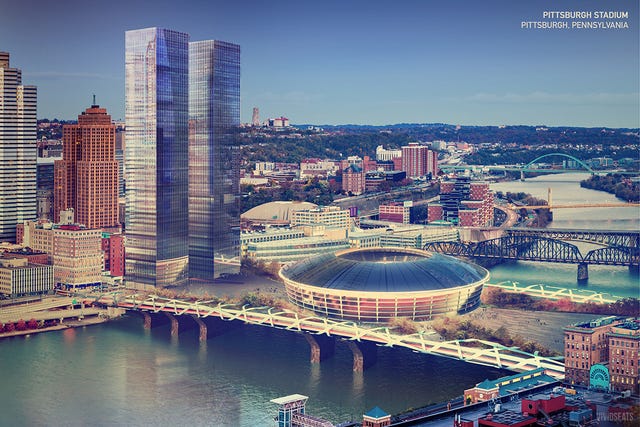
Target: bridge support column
[(203, 328), (583, 272), (322, 347), (521, 175), (147, 319), (365, 354), (175, 326)]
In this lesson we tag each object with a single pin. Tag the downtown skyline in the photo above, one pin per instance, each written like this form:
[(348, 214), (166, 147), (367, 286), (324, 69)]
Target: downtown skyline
[(351, 62)]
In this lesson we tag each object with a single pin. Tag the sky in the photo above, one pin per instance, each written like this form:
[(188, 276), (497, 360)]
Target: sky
[(351, 61)]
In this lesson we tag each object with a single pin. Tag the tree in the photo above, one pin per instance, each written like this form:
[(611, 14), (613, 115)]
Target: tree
[(32, 324), (21, 325), (9, 327)]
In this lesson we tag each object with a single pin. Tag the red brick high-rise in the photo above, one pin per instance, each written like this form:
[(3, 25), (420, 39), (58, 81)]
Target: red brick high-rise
[(87, 177), (418, 160)]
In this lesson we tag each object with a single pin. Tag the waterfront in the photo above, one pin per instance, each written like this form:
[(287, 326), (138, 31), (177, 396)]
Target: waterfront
[(119, 374), (566, 190)]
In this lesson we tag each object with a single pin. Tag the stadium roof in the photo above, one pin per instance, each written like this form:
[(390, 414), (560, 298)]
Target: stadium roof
[(276, 211), (385, 270)]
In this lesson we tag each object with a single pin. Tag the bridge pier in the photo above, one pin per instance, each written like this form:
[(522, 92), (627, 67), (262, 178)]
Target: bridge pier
[(204, 332), (365, 354), (521, 175), (175, 325), (322, 347), (583, 272), (147, 319)]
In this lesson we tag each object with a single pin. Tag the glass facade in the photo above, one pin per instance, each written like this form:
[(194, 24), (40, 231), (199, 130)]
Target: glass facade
[(156, 160), (18, 150), (214, 155)]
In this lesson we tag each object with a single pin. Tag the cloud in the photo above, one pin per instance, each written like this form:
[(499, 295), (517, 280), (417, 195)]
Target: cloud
[(556, 98)]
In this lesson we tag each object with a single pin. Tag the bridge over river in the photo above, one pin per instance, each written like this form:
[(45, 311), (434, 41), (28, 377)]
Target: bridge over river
[(548, 245), (322, 333)]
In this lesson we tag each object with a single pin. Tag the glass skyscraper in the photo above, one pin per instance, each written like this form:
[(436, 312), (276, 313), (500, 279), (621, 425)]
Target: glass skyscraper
[(214, 154), (18, 150), (156, 159)]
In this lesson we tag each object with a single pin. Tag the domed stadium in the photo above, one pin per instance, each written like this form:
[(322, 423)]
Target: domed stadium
[(276, 213), (379, 284)]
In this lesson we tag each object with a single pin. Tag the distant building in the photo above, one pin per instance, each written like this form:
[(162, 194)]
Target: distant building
[(255, 118), (280, 122), (387, 155), (373, 179), (353, 180), (331, 216), (462, 202), (310, 168), (18, 150), (418, 160), (86, 179), (18, 277), (396, 212)]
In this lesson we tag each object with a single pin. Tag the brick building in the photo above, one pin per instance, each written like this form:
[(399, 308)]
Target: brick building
[(418, 160), (610, 341), (585, 344), (113, 250), (86, 180), (462, 202), (353, 180), (396, 212), (624, 356), (77, 256)]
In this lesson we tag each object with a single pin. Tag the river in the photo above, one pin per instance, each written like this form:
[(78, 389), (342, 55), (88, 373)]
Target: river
[(119, 374), (566, 190)]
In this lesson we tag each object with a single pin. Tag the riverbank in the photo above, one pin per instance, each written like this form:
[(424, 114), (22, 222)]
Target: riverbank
[(542, 327), (59, 327)]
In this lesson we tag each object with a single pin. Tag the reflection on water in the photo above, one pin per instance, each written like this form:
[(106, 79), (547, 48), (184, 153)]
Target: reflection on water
[(116, 374)]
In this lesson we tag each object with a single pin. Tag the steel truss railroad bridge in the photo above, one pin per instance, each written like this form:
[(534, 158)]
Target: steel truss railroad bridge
[(545, 246), (321, 333)]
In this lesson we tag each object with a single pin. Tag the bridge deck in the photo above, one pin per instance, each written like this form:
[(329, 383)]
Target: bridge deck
[(472, 350)]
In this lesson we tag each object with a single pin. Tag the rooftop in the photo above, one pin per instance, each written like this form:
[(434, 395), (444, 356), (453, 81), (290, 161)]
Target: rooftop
[(376, 413), (509, 418), (288, 399), (385, 270)]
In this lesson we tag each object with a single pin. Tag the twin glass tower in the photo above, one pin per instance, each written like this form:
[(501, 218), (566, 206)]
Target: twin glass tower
[(182, 158)]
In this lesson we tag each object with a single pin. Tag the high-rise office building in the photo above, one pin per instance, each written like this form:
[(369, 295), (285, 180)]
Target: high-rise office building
[(156, 157), (18, 150), (214, 153), (86, 179)]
